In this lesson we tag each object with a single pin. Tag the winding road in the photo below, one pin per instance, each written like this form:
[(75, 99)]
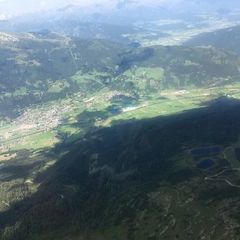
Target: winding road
[(213, 177)]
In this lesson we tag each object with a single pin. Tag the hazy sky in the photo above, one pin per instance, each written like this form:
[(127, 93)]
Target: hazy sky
[(16, 7), (12, 7)]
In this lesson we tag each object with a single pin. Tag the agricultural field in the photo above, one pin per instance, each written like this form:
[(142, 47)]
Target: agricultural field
[(43, 126)]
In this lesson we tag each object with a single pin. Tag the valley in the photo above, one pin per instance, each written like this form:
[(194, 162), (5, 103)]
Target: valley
[(32, 139), (56, 117), (172, 32), (118, 130)]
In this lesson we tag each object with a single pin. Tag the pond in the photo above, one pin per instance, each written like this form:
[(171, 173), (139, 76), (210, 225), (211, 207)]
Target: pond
[(205, 164)]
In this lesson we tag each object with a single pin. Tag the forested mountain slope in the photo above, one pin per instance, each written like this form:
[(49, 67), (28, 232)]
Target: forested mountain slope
[(225, 39), (46, 66), (139, 180)]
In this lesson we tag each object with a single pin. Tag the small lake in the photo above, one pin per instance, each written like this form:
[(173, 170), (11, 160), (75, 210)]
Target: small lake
[(205, 164)]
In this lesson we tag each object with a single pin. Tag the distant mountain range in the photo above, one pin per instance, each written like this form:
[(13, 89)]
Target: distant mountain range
[(125, 13)]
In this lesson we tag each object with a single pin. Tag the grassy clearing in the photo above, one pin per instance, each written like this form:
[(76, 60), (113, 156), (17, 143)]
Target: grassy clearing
[(158, 107), (36, 141)]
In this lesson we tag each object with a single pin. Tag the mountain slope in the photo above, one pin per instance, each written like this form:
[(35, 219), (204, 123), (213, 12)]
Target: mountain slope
[(140, 180), (226, 39), (41, 67)]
